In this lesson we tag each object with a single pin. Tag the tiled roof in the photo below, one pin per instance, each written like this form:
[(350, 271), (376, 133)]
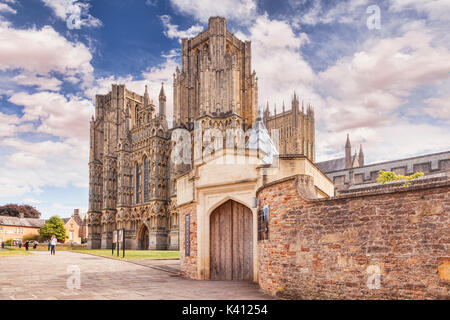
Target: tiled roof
[(331, 165), (21, 222)]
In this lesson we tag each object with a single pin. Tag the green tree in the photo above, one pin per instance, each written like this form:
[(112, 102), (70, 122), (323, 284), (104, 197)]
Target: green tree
[(388, 176), (53, 226)]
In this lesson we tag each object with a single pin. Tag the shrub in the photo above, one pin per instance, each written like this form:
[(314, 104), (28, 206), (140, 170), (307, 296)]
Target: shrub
[(31, 238), (388, 176)]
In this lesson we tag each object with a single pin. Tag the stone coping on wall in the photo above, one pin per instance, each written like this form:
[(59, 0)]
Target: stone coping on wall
[(395, 185), (185, 204), (428, 184)]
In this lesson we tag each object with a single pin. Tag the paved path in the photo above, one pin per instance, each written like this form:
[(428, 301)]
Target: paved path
[(41, 276)]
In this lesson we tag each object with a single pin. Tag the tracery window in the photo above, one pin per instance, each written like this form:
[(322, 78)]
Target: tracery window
[(145, 179), (137, 183)]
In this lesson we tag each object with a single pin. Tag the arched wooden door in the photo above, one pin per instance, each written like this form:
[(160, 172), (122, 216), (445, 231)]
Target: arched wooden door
[(144, 239), (231, 242)]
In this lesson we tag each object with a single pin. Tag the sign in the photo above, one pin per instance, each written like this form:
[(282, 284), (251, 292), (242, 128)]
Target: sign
[(114, 239), (120, 235), (263, 223), (187, 235)]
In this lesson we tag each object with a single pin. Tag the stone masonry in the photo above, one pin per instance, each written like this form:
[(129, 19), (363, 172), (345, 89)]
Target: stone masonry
[(386, 244), (189, 263)]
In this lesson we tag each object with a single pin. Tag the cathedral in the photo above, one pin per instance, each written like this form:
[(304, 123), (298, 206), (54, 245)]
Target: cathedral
[(132, 180)]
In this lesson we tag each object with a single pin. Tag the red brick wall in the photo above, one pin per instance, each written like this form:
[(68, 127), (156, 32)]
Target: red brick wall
[(188, 264), (330, 248)]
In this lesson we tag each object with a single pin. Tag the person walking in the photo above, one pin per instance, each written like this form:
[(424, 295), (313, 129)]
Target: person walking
[(34, 245), (48, 245), (27, 244), (20, 245), (53, 243)]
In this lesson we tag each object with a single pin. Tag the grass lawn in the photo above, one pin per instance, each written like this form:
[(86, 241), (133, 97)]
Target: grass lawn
[(133, 254), (38, 248), (9, 252), (129, 254)]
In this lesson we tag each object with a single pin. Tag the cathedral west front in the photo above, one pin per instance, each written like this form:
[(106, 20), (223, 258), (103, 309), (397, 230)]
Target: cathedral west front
[(132, 180)]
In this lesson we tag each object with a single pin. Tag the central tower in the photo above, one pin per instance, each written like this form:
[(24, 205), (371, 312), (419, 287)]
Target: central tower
[(216, 77)]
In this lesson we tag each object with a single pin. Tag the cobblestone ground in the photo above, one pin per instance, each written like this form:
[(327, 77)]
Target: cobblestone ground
[(42, 276)]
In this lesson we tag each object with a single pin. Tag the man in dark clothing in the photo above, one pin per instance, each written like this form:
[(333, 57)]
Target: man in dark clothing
[(27, 244)]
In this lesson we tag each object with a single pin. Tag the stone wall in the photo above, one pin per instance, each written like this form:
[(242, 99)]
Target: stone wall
[(430, 164), (387, 244), (188, 264)]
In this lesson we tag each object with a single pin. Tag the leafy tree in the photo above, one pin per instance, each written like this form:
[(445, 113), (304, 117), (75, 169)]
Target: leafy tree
[(14, 210), (53, 226), (388, 176)]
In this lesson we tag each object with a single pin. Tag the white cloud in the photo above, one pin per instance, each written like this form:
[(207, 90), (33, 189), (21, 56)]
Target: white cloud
[(240, 10), (42, 82), (6, 8), (74, 12), (39, 52), (439, 107), (343, 12), (366, 88), (435, 9), (32, 201), (22, 160), (278, 62), (57, 115), (151, 3), (35, 165), (173, 32), (10, 125)]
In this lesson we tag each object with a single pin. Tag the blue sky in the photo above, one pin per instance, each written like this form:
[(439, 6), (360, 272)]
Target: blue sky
[(388, 86)]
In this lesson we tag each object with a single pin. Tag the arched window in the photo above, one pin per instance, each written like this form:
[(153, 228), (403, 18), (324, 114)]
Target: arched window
[(145, 179), (137, 183)]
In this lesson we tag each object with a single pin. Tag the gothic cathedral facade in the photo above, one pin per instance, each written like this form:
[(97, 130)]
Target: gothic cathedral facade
[(132, 182)]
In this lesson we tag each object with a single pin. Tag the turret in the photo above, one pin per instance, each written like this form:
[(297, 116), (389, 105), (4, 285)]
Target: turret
[(162, 101), (361, 156), (146, 97), (348, 153)]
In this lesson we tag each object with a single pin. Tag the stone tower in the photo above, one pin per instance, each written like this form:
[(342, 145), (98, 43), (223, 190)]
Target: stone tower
[(295, 127), (129, 172), (215, 78)]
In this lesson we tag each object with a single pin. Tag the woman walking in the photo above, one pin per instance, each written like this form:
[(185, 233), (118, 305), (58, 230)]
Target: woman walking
[(53, 243)]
